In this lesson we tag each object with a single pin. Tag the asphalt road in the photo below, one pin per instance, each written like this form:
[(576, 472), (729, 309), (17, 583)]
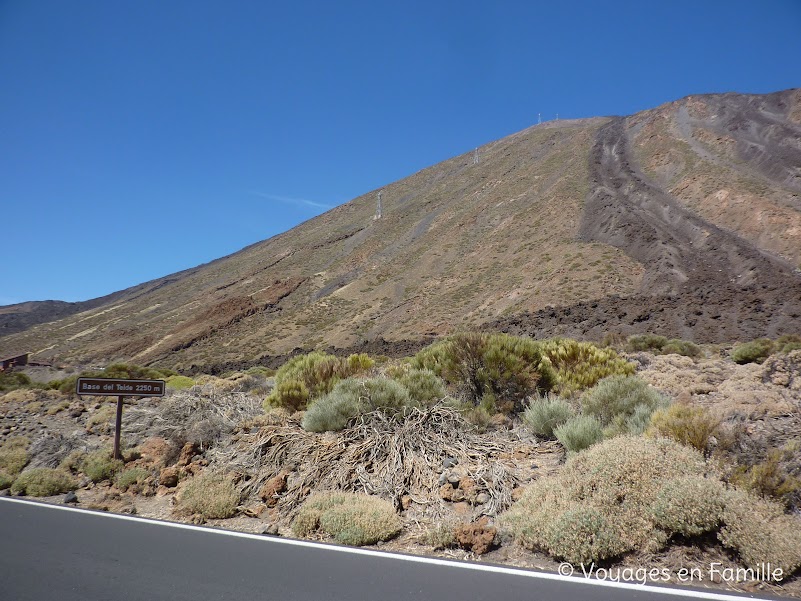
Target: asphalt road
[(49, 552)]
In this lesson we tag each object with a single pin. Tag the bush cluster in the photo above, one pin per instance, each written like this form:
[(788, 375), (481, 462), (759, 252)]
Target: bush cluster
[(350, 518), (634, 493), (43, 482), (307, 377), (496, 371), (660, 345), (209, 495), (755, 351)]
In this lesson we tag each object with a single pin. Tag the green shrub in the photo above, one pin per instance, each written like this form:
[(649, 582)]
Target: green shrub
[(646, 342), (211, 496), (13, 455), (43, 482), (131, 477), (579, 433), (98, 465), (543, 414), (307, 377), (622, 404), (788, 342), (755, 351), (692, 426), (424, 386), (600, 505), (581, 365), (673, 512), (676, 346), (585, 534), (12, 380), (332, 412), (180, 382), (489, 368), (6, 480), (350, 518), (352, 397), (761, 533)]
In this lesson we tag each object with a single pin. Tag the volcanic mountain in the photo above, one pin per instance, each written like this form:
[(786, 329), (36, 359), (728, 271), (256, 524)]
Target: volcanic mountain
[(684, 220)]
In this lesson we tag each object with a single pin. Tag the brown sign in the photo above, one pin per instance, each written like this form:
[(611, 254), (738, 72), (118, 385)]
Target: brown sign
[(108, 387)]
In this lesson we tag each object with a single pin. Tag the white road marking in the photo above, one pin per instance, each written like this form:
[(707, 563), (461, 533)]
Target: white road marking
[(657, 590)]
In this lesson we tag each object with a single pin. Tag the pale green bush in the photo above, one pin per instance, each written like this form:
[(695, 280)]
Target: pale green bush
[(351, 397), (210, 495), (690, 505), (579, 433), (350, 518), (755, 351), (622, 404), (131, 477), (761, 533), (600, 505), (99, 465), (43, 482), (14, 455), (544, 414), (424, 386)]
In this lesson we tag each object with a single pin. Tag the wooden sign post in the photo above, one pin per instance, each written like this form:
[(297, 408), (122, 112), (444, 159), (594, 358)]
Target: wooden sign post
[(120, 389)]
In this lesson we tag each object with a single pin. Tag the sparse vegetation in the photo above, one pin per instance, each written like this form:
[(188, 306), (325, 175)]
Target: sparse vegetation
[(350, 518), (43, 482), (209, 495)]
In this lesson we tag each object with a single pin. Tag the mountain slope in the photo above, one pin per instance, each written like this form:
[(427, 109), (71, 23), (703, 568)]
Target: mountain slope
[(672, 218)]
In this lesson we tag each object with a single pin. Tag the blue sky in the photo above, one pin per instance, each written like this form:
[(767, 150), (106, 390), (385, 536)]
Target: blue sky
[(141, 138)]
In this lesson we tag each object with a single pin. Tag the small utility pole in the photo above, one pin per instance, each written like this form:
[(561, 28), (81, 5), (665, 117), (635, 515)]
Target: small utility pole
[(378, 206), (475, 157), (539, 118)]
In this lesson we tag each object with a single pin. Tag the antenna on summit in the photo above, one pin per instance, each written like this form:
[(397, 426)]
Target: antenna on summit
[(378, 206), (475, 157), (539, 118)]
